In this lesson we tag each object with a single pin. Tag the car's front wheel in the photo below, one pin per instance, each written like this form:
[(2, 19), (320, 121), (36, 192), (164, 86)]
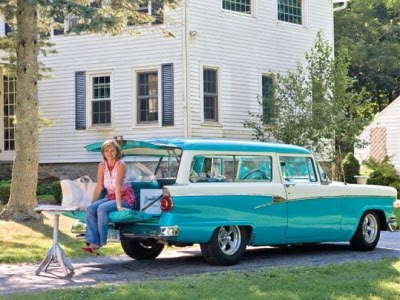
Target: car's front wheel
[(226, 246), (140, 250), (368, 232)]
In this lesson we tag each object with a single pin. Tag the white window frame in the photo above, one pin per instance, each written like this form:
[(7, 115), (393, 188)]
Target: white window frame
[(89, 99), (135, 106), (9, 154), (304, 16), (219, 94), (252, 13)]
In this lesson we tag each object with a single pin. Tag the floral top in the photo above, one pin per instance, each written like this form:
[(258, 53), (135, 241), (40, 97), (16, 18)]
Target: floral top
[(127, 194)]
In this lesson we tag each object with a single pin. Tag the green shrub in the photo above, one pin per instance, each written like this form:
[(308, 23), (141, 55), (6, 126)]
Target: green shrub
[(43, 189), (382, 173), (56, 190), (4, 191), (351, 167)]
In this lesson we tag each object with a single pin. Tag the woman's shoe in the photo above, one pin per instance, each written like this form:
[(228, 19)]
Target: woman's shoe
[(90, 250)]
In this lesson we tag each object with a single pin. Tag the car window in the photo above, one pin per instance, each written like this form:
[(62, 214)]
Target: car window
[(225, 168), (297, 169), (254, 168), (212, 169), (322, 174)]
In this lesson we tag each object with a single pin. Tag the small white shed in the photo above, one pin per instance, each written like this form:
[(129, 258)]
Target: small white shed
[(383, 136)]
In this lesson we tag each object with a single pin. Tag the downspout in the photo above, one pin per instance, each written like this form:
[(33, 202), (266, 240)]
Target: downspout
[(340, 7), (186, 73)]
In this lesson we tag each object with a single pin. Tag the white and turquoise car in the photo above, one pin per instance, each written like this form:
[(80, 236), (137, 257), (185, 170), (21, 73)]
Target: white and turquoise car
[(226, 195)]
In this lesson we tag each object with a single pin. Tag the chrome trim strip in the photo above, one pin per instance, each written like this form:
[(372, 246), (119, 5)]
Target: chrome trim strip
[(275, 200)]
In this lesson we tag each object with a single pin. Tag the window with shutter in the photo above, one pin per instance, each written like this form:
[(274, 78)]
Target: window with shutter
[(210, 94)]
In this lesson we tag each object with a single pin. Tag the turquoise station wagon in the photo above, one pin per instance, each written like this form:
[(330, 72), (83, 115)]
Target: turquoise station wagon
[(226, 195)]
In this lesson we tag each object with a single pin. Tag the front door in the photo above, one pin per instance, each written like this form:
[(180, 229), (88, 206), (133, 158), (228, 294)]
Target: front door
[(313, 210)]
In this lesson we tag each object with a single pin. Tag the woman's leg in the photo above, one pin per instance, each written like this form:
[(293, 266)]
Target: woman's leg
[(92, 232), (102, 218)]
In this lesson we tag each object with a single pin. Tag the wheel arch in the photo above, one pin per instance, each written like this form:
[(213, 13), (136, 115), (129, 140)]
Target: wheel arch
[(381, 218)]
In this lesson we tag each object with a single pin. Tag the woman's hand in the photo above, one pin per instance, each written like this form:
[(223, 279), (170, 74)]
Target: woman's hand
[(121, 208)]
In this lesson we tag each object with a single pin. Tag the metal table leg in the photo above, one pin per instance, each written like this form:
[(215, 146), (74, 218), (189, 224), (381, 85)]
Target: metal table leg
[(56, 253)]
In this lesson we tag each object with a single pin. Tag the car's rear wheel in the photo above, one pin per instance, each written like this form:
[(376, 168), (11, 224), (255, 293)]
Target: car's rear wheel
[(226, 246), (141, 250), (368, 232)]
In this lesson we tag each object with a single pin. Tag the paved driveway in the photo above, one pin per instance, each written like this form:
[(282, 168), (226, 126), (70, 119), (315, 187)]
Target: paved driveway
[(184, 261)]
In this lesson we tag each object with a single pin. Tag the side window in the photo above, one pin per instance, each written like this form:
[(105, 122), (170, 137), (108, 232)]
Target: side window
[(254, 168), (212, 169), (225, 168), (322, 174), (297, 169)]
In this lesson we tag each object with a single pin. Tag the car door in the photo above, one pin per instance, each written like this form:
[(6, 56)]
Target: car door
[(313, 210)]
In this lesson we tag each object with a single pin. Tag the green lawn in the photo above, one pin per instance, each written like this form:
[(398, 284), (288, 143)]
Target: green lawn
[(367, 280), (29, 241)]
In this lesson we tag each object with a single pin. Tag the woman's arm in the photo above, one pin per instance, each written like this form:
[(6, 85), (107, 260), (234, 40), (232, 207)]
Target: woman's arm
[(100, 182), (121, 171)]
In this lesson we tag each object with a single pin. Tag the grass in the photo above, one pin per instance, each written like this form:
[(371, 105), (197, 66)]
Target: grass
[(29, 241), (366, 280)]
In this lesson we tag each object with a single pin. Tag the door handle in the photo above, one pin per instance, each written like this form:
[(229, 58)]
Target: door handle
[(289, 184)]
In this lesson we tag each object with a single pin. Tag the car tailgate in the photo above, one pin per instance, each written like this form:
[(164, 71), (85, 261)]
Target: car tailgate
[(123, 216)]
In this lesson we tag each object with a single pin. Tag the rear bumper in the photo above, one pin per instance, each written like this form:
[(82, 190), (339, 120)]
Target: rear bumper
[(155, 232)]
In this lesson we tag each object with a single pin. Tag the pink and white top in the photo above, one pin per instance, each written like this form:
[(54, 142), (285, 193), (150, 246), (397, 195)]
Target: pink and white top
[(127, 194)]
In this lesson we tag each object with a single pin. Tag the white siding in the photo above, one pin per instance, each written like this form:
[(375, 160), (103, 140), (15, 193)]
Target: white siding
[(2, 28), (243, 47), (389, 119), (119, 55)]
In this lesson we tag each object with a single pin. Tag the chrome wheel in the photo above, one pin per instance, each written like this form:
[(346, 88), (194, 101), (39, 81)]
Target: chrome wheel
[(370, 228), (229, 239)]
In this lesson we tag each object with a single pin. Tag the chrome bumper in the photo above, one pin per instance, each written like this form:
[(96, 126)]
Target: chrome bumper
[(392, 224), (164, 231)]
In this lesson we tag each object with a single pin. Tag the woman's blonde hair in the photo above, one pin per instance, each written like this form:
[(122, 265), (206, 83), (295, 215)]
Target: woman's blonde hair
[(111, 143)]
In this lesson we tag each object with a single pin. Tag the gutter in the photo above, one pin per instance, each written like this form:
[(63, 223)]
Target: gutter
[(340, 7), (186, 71)]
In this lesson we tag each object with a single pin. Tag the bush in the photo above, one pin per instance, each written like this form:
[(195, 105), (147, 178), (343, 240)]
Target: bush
[(43, 189), (56, 190), (382, 173), (4, 191), (351, 167)]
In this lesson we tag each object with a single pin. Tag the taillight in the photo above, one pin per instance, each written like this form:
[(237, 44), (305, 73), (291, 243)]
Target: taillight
[(166, 203)]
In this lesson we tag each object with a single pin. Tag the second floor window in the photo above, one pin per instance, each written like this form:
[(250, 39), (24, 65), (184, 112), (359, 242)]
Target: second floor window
[(243, 6), (290, 11), (210, 94), (101, 100), (153, 8), (147, 97)]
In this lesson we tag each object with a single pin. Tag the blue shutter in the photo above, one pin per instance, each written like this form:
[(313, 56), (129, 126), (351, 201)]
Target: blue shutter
[(167, 74), (7, 28), (80, 100)]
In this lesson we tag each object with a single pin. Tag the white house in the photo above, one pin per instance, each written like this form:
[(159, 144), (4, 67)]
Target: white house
[(202, 83), (382, 136)]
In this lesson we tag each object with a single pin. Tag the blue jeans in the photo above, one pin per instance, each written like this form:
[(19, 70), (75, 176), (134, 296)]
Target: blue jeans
[(97, 220)]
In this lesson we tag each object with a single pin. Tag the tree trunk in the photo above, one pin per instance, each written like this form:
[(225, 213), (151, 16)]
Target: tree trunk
[(25, 167)]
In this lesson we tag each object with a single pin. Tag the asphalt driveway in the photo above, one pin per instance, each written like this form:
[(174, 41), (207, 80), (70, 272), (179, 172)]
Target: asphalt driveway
[(183, 261)]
